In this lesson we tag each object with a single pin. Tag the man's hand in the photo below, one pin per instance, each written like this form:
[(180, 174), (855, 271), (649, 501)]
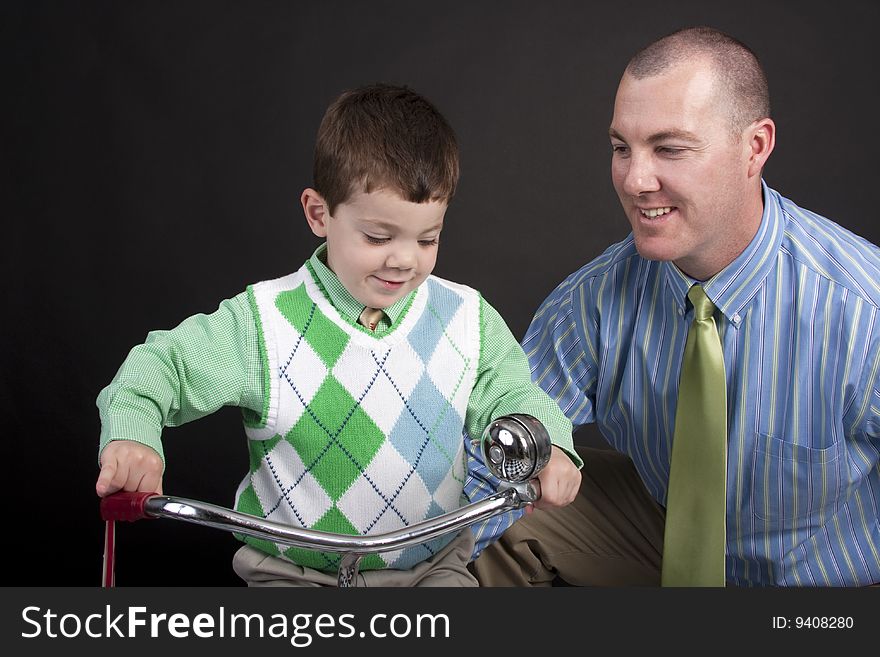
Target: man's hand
[(559, 481), (129, 466)]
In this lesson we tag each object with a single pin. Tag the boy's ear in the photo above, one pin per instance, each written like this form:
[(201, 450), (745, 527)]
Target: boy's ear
[(315, 209)]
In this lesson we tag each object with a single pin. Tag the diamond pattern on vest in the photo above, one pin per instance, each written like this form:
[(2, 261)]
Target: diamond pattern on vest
[(376, 436)]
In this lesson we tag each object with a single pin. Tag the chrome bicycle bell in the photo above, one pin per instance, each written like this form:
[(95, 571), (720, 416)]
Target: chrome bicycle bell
[(515, 447)]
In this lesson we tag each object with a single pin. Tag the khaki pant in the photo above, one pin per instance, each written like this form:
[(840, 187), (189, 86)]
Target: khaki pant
[(446, 568), (611, 535)]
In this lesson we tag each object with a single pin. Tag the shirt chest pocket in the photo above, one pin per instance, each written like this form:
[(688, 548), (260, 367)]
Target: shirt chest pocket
[(794, 484)]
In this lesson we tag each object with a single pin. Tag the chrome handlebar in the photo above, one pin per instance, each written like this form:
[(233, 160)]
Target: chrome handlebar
[(515, 448)]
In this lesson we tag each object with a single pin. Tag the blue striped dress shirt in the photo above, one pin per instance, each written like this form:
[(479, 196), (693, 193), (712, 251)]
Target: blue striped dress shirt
[(479, 484), (800, 328)]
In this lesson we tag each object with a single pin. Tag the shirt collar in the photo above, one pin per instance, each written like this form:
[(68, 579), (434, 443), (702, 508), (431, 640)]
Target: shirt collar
[(340, 297), (735, 285)]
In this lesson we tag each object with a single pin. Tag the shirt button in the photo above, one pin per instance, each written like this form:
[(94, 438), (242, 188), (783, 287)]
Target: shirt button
[(736, 318)]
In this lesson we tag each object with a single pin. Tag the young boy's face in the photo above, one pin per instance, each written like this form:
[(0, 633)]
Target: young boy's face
[(380, 246)]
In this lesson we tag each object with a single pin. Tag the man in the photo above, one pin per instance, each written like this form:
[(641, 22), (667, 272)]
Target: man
[(794, 303)]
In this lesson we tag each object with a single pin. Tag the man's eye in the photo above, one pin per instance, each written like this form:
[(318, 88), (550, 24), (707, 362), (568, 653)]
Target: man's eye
[(377, 240), (619, 149), (670, 150)]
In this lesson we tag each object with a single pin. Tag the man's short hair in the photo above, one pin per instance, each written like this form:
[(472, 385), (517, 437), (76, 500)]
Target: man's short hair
[(741, 79), (383, 136)]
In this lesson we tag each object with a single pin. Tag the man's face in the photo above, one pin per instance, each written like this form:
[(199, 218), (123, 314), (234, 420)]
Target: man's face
[(382, 247), (680, 173)]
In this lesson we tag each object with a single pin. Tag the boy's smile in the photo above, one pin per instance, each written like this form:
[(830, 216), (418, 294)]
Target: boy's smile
[(380, 246)]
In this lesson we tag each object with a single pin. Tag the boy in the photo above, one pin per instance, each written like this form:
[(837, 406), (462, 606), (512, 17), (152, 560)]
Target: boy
[(356, 375)]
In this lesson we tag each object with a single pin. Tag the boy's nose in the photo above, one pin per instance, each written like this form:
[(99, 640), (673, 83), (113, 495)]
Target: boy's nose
[(401, 259)]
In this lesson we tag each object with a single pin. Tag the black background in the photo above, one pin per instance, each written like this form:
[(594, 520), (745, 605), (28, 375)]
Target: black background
[(153, 155)]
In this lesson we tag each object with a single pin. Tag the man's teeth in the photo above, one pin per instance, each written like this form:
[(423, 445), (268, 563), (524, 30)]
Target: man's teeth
[(655, 212)]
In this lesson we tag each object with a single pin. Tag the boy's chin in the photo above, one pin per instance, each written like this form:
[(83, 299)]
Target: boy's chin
[(377, 297), (382, 303), (378, 302)]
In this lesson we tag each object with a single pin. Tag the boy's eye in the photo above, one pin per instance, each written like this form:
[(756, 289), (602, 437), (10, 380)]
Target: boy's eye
[(377, 240), (431, 242)]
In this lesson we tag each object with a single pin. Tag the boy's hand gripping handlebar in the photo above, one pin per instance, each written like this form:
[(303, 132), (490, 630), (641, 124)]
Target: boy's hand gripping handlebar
[(514, 447)]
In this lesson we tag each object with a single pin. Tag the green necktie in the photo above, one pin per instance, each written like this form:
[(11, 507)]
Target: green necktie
[(694, 541)]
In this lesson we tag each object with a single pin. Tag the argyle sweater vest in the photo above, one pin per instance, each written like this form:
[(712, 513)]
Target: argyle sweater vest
[(360, 434)]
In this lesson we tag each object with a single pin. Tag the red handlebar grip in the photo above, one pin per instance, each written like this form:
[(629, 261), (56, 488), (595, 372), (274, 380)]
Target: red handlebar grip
[(125, 506)]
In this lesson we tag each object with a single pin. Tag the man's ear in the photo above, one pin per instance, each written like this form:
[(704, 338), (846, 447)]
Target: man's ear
[(760, 139), (315, 209)]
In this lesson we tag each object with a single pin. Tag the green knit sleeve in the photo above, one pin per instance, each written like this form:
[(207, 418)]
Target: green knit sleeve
[(504, 385), (182, 374)]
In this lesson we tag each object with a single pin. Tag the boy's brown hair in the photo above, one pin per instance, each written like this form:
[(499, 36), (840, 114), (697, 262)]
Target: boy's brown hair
[(385, 137)]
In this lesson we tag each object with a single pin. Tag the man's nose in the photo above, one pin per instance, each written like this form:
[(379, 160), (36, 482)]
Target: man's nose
[(640, 176)]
